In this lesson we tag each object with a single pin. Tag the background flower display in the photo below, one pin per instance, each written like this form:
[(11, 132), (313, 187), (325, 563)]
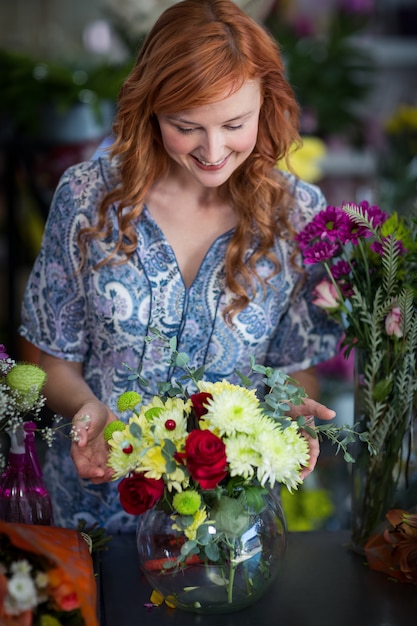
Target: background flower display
[(211, 459), (371, 261), (398, 159)]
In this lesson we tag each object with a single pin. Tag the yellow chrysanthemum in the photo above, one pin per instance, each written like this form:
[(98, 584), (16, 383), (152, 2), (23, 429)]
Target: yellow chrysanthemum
[(191, 531), (154, 465)]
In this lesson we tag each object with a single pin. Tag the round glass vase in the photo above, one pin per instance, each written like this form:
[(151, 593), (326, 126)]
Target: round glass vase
[(248, 563)]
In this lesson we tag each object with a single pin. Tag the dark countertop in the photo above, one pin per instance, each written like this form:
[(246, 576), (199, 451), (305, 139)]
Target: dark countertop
[(322, 582)]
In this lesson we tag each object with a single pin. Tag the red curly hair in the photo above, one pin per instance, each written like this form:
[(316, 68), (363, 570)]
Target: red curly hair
[(193, 53)]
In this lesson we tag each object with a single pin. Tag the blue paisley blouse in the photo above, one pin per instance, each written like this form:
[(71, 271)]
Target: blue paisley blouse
[(100, 317)]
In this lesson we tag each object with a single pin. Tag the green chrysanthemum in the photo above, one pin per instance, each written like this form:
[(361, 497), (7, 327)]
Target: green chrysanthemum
[(26, 381), (128, 401), (187, 502), (49, 620), (112, 427)]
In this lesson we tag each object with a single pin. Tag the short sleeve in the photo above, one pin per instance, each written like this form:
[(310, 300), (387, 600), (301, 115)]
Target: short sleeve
[(54, 303)]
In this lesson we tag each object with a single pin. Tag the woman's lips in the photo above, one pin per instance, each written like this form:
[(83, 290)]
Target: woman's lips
[(210, 167)]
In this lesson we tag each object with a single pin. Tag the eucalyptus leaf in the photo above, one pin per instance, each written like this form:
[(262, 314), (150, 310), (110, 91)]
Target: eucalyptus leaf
[(188, 547), (211, 551), (135, 430)]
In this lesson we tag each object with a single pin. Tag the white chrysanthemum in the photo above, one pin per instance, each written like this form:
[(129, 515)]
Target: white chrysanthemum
[(241, 456), (22, 592), (284, 453), (232, 409), (155, 415), (21, 567), (171, 423)]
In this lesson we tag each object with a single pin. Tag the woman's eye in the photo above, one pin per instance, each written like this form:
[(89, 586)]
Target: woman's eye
[(238, 127), (185, 131)]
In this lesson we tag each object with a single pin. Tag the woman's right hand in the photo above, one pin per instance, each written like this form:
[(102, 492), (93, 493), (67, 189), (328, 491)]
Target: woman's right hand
[(89, 451)]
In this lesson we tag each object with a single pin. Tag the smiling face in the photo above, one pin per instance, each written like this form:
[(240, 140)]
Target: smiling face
[(211, 141)]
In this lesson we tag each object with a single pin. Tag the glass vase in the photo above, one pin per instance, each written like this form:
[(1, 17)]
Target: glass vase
[(386, 479), (249, 560), (23, 494)]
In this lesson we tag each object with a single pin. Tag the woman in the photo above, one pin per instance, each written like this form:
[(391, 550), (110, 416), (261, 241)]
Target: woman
[(186, 226)]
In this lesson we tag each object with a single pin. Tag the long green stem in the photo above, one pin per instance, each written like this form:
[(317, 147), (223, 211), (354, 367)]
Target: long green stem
[(231, 577)]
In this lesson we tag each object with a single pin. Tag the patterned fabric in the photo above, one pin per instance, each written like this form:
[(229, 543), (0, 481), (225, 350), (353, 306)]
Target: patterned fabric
[(101, 317)]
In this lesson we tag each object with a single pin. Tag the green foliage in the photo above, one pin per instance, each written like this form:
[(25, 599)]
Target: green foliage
[(28, 84), (330, 74)]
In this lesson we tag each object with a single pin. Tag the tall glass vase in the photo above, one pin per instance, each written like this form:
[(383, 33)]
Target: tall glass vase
[(385, 479)]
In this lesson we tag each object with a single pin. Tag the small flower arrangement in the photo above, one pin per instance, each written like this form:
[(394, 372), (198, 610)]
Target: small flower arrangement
[(41, 583), (21, 396), (371, 290), (208, 456), (20, 391)]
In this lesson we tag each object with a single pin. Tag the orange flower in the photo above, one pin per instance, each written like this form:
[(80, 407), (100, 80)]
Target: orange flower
[(394, 550), (62, 591)]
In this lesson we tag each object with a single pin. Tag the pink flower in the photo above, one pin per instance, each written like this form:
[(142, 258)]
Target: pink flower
[(393, 324), (326, 296)]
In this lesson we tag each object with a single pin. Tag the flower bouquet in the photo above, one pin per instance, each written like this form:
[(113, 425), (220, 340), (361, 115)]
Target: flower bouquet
[(46, 577), (393, 550), (371, 289), (200, 469)]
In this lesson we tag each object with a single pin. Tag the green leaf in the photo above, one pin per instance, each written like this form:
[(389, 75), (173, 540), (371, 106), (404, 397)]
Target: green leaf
[(135, 430), (181, 359), (212, 551), (382, 389), (203, 536), (188, 547)]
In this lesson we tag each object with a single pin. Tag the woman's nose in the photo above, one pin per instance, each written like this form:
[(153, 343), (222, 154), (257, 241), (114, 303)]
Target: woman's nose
[(213, 147)]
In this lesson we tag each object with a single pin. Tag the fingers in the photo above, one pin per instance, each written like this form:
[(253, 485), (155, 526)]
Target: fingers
[(314, 451), (311, 407), (79, 430)]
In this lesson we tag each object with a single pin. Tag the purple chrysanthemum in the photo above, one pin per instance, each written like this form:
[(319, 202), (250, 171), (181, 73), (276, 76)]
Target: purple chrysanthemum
[(319, 252), (340, 269), (330, 222), (375, 215)]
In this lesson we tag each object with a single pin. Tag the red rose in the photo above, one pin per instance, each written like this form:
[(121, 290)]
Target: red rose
[(206, 460), (198, 400), (139, 494)]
